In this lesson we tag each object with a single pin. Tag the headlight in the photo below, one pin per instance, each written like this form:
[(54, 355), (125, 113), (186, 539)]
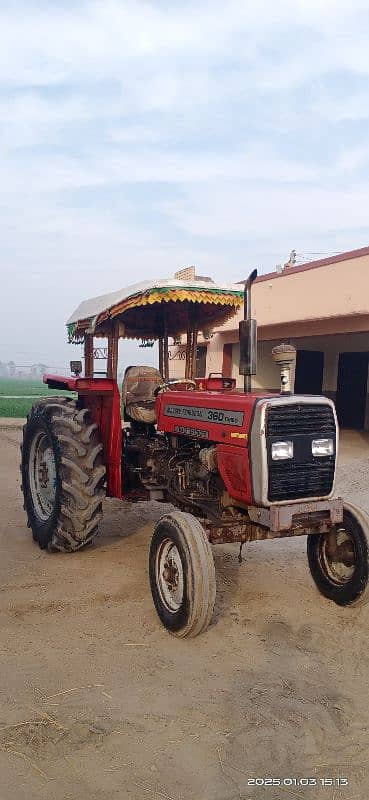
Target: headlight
[(322, 447), (282, 450)]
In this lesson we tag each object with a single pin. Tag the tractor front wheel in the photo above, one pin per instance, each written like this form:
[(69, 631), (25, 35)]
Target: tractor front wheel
[(182, 574), (339, 561), (63, 474)]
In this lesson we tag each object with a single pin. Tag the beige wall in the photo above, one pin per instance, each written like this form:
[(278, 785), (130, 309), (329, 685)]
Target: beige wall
[(325, 300), (332, 290), (325, 308), (177, 363), (267, 375)]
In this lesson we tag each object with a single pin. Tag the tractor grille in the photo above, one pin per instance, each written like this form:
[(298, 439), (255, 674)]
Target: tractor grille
[(291, 481), (303, 476), (287, 421)]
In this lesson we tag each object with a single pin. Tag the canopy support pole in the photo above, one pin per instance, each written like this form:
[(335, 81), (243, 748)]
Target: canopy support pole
[(188, 348), (165, 351), (192, 332), (194, 350), (89, 355), (161, 356), (113, 341)]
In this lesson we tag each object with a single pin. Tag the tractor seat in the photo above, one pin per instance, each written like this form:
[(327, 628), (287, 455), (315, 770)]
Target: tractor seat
[(139, 384)]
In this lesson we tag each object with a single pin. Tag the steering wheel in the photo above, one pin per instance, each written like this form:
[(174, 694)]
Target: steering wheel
[(175, 382)]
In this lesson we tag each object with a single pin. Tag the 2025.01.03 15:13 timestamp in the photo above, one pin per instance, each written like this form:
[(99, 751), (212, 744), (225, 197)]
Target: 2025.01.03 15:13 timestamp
[(298, 782)]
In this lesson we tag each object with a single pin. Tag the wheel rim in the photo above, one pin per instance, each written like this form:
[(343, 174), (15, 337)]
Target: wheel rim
[(170, 576), (42, 475), (339, 567)]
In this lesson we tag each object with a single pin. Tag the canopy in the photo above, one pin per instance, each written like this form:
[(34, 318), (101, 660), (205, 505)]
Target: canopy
[(144, 309)]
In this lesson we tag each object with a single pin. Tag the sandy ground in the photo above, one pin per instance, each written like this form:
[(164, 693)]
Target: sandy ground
[(98, 702)]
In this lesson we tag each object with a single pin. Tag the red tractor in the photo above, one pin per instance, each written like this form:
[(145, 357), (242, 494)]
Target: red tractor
[(239, 466)]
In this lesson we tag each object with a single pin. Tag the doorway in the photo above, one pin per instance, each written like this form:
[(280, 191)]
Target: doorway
[(201, 361), (352, 380), (309, 372)]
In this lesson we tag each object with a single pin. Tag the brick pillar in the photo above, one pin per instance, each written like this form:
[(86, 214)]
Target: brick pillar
[(186, 274)]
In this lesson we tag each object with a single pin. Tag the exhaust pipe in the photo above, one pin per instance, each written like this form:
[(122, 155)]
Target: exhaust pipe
[(248, 337)]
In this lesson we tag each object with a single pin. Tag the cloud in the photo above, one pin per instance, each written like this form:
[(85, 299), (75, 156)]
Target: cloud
[(251, 212), (53, 43), (136, 137)]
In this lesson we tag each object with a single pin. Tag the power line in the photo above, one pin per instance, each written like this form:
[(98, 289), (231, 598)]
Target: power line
[(306, 256)]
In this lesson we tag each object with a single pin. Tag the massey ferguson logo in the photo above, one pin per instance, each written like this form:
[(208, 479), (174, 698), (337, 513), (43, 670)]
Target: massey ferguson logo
[(195, 432)]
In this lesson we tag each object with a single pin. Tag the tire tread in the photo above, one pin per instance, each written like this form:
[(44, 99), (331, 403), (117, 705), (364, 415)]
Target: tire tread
[(81, 484), (201, 579)]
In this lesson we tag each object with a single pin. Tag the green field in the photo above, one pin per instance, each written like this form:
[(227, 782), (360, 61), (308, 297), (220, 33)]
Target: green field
[(17, 395)]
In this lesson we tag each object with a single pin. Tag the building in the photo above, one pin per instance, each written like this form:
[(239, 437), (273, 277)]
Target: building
[(322, 308)]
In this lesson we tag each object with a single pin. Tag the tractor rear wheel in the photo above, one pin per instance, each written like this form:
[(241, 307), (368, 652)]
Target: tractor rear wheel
[(340, 567), (63, 475), (182, 574)]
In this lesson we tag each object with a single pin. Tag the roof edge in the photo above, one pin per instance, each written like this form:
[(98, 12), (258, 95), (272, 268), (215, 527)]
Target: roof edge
[(321, 262), (305, 321)]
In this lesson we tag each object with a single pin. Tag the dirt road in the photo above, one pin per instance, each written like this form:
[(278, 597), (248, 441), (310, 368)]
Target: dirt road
[(98, 702)]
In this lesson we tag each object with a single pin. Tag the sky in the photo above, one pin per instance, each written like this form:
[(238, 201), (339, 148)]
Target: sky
[(140, 137)]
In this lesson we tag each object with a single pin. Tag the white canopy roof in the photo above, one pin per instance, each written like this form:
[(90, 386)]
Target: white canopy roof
[(96, 305)]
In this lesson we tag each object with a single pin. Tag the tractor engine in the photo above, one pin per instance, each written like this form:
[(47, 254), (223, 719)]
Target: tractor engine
[(172, 468)]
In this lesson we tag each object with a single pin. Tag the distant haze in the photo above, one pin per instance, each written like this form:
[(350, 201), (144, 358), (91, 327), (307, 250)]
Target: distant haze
[(139, 137)]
